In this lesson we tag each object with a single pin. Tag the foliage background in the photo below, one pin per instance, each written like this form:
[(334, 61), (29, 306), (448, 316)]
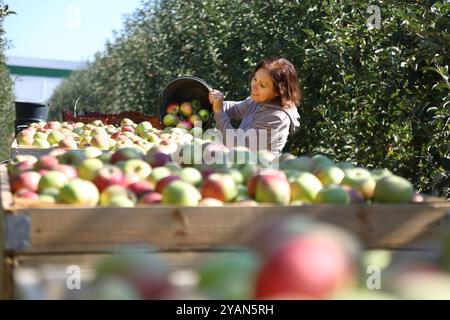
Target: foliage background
[(6, 95), (375, 97)]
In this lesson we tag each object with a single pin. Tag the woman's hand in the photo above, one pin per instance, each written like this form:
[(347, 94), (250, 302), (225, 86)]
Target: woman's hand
[(216, 99)]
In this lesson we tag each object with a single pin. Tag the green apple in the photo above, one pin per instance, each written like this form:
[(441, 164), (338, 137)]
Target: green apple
[(142, 127), (89, 168), (191, 175), (79, 191), (332, 194), (393, 189), (117, 196), (181, 193), (377, 174), (361, 180), (330, 175), (321, 161), (302, 163), (304, 186), (52, 179)]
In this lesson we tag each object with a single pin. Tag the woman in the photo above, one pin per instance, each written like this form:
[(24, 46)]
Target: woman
[(269, 116)]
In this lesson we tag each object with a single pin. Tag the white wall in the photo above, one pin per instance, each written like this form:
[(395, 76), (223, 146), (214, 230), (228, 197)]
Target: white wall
[(34, 89)]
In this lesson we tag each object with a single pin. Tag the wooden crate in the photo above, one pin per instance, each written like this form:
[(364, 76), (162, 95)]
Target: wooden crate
[(37, 152), (57, 231)]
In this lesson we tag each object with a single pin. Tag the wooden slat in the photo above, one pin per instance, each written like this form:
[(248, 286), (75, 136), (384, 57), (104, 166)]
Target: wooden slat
[(71, 230)]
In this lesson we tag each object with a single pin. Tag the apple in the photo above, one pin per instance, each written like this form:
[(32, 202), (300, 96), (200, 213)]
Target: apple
[(143, 127), (89, 168), (67, 143), (181, 193), (72, 157), (53, 125), (185, 124), (304, 186), (126, 122), (330, 175), (92, 152), (69, 171), (197, 133), (158, 156), (27, 194), (172, 108), (127, 129), (46, 162), (320, 162), (170, 120), (210, 202), (302, 163), (219, 186), (150, 137), (117, 196), (101, 142), (355, 195), (41, 143), (204, 114), (108, 175), (150, 198), (235, 174), (17, 166), (272, 188), (229, 275), (332, 194), (25, 137), (186, 109), (191, 175), (164, 182), (28, 180), (141, 187), (377, 174), (52, 179), (55, 137), (81, 192), (136, 166), (126, 153), (195, 120), (158, 173), (361, 180), (196, 104), (239, 156), (393, 189), (147, 274), (248, 171), (253, 181), (98, 131), (311, 266)]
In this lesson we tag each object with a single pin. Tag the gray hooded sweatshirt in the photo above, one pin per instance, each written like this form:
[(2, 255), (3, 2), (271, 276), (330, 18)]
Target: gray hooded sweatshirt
[(269, 124)]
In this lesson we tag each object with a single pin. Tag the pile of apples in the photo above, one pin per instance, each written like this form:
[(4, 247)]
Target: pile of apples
[(77, 135), (178, 171), (289, 258), (185, 115)]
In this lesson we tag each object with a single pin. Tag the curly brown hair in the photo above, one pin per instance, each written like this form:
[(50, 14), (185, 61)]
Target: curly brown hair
[(284, 78)]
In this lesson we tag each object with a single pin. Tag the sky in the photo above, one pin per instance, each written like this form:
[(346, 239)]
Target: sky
[(72, 30)]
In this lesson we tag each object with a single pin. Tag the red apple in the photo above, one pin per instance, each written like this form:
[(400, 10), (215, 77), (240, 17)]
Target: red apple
[(141, 187), (172, 108), (46, 162), (26, 180), (150, 198), (107, 176), (164, 182), (27, 194), (69, 171), (219, 186), (309, 266)]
